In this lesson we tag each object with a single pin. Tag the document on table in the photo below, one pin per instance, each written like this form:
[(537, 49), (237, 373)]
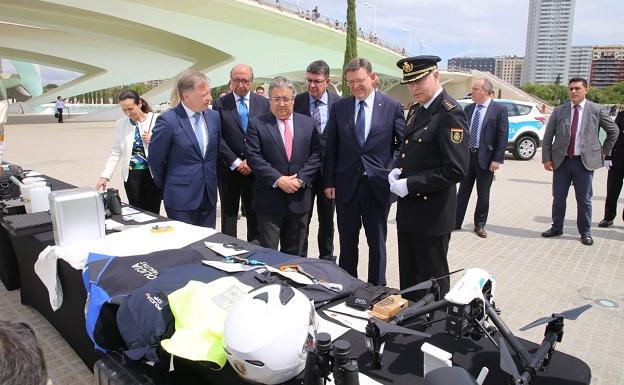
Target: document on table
[(352, 322), (127, 210), (230, 267), (221, 249), (139, 217), (347, 310), (111, 224)]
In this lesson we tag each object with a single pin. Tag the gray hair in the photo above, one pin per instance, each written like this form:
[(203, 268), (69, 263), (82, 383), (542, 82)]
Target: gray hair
[(242, 66), (487, 85), (189, 79), (318, 67), (281, 82), (21, 359), (357, 63)]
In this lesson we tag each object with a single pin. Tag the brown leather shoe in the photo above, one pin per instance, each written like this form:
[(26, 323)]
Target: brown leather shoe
[(480, 232)]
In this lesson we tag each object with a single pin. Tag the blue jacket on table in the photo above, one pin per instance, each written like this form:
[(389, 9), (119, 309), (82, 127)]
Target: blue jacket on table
[(176, 163), (266, 155)]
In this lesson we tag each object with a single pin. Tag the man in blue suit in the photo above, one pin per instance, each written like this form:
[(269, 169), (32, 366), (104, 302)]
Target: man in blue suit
[(317, 103), (364, 133), (284, 151), (183, 153), (489, 129)]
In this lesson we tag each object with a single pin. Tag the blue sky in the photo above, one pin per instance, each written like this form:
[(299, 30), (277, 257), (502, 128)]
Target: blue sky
[(452, 28)]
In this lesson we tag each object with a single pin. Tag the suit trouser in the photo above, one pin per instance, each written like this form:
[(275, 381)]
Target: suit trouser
[(614, 187), (234, 188), (325, 209), (205, 215), (572, 171), (484, 182), (142, 192), (60, 115), (286, 230), (364, 209), (422, 258)]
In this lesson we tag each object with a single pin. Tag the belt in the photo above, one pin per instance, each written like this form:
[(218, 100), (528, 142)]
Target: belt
[(474, 150)]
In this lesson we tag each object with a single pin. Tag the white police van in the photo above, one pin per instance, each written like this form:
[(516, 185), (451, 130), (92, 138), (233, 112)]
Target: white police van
[(526, 127)]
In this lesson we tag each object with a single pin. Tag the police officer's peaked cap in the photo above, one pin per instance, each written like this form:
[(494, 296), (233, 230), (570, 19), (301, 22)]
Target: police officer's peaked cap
[(417, 67)]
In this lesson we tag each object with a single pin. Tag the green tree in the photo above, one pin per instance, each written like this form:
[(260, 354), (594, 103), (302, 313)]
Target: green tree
[(49, 86), (351, 46)]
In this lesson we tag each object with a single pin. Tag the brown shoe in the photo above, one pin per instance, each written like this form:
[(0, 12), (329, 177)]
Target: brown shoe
[(480, 232)]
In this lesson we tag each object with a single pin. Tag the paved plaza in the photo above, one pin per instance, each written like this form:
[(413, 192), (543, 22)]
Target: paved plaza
[(535, 276)]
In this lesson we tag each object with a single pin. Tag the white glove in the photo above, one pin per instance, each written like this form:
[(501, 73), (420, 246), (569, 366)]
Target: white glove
[(399, 187), (394, 175), (607, 165)]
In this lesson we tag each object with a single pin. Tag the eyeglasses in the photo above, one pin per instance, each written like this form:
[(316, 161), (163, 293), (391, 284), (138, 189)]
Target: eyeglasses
[(281, 100), (353, 82), (316, 81), (241, 81)]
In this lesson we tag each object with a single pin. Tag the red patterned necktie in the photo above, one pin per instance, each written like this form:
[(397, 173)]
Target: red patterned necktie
[(288, 139)]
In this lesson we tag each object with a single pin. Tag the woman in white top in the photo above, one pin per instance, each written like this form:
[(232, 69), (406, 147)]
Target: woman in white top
[(59, 105), (132, 137)]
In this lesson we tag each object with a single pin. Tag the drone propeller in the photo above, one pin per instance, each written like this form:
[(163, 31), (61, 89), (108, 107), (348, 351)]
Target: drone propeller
[(570, 314), (507, 363), (385, 327), (425, 285)]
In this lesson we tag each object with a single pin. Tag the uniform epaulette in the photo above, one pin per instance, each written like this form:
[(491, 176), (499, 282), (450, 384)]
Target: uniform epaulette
[(448, 104)]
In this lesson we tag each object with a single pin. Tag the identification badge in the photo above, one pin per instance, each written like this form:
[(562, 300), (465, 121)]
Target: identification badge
[(457, 135)]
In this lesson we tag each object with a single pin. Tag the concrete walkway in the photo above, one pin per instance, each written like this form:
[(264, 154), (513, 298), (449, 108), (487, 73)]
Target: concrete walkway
[(535, 276)]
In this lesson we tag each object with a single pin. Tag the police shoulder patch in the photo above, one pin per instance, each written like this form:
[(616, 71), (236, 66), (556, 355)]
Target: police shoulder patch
[(457, 135), (448, 105)]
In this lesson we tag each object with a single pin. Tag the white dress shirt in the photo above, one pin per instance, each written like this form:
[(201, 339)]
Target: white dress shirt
[(202, 124)]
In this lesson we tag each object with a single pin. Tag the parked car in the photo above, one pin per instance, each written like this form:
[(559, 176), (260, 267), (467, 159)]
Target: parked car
[(526, 127)]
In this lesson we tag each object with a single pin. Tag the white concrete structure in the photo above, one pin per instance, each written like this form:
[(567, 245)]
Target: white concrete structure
[(549, 34)]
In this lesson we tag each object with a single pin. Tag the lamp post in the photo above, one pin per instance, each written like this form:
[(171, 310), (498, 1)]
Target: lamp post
[(373, 5)]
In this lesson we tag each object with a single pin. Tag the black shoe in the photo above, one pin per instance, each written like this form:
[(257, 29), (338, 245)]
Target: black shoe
[(480, 232), (587, 240), (551, 233), (605, 223)]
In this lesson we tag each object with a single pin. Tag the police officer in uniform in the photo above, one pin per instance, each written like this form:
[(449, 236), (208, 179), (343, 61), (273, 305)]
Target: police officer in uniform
[(434, 158), (615, 165)]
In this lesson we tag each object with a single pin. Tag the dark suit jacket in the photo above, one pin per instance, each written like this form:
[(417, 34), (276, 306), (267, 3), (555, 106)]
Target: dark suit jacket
[(233, 139), (267, 157), (345, 161), (494, 133), (176, 162), (558, 131)]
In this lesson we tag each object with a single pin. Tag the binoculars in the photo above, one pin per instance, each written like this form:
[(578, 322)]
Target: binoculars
[(328, 358), (112, 202)]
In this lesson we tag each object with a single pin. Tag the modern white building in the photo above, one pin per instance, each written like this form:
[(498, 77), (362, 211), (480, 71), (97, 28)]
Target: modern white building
[(580, 61), (549, 36)]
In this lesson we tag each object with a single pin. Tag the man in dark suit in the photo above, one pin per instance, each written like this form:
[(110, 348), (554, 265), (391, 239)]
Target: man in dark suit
[(183, 153), (615, 165), (236, 178), (572, 151), (284, 151), (363, 138), (489, 128), (317, 103), (434, 158)]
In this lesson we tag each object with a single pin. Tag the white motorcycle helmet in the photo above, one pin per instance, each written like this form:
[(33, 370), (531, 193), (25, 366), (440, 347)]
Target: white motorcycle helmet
[(267, 334)]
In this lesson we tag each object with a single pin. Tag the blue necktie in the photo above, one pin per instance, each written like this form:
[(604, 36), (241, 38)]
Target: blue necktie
[(316, 115), (360, 124), (474, 127), (243, 112), (198, 134)]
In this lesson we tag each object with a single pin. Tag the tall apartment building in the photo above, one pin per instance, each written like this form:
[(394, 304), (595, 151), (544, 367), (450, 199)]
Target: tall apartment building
[(549, 34), (580, 62), (484, 64), (509, 69), (607, 65)]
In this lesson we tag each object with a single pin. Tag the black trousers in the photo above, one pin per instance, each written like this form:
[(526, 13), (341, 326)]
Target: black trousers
[(325, 209), (484, 182), (363, 209), (422, 258), (142, 191), (289, 231), (614, 187), (234, 188), (60, 115)]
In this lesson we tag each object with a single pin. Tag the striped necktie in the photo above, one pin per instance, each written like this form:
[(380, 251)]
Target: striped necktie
[(474, 127)]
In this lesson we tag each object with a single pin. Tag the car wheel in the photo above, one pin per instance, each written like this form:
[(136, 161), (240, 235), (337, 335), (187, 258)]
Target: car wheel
[(525, 148)]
